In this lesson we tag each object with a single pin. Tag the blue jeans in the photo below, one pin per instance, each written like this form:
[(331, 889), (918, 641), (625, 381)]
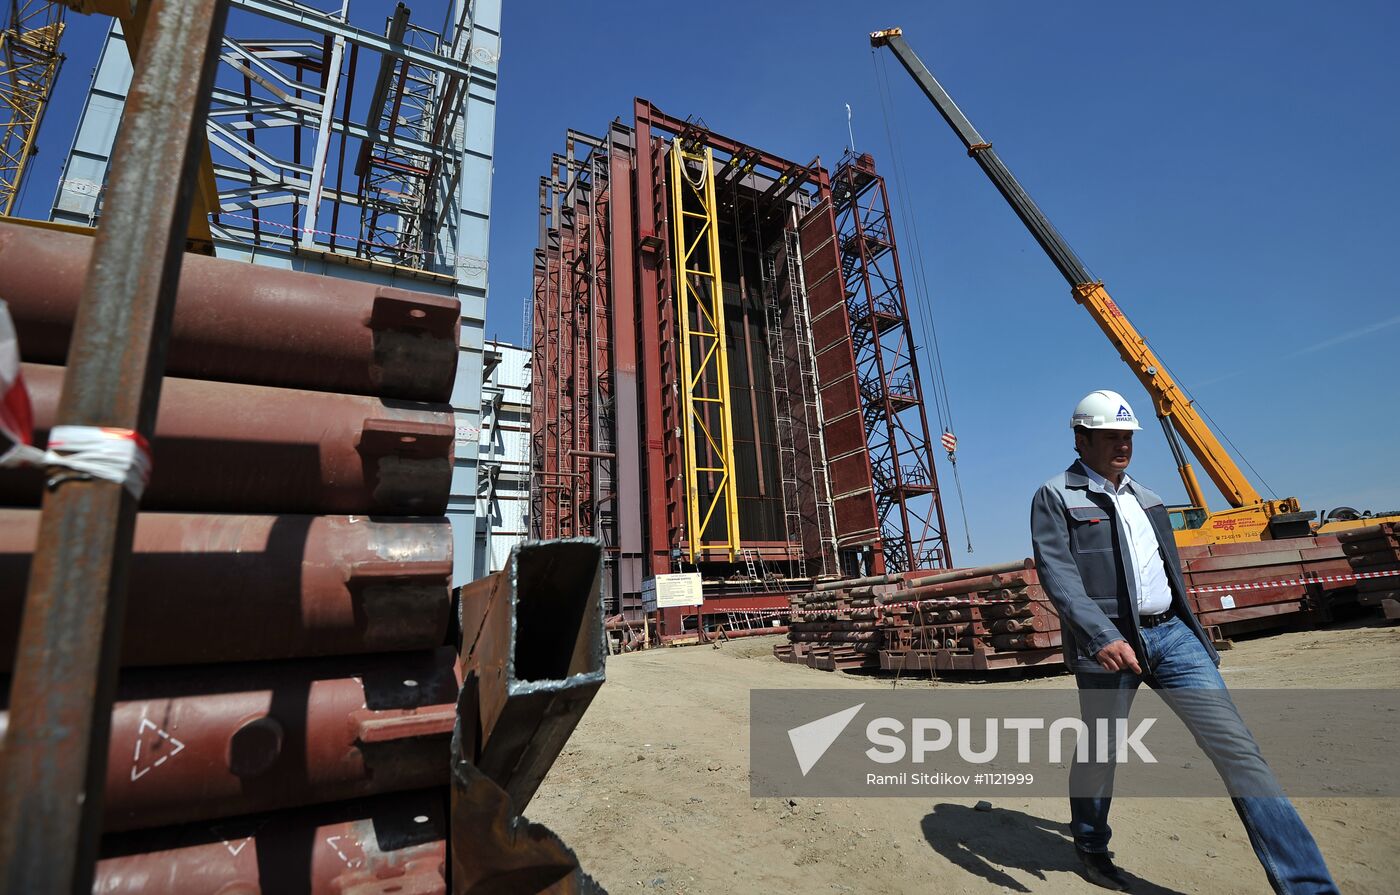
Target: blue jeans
[(1176, 660)]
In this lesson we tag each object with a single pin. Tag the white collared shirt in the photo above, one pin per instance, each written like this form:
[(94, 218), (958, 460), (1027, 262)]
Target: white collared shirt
[(1154, 593)]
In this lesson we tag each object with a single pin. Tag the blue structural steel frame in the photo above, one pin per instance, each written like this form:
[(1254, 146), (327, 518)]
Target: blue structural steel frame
[(266, 212), (896, 424)]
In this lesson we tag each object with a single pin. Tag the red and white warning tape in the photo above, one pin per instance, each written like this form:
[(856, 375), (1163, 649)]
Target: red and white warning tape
[(1287, 582), (117, 455), (16, 417), (946, 602)]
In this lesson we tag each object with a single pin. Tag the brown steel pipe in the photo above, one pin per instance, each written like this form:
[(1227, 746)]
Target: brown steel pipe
[(959, 587), (719, 634), (230, 740), (916, 580), (206, 588), (1019, 565), (227, 447), (394, 843), (892, 578), (242, 322)]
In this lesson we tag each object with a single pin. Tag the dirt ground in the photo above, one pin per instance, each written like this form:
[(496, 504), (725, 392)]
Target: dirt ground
[(652, 793)]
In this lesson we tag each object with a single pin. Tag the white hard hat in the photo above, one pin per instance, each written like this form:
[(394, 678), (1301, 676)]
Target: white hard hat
[(1104, 409)]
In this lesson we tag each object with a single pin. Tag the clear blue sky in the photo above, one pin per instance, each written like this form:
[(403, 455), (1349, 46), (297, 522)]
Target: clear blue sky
[(1229, 170)]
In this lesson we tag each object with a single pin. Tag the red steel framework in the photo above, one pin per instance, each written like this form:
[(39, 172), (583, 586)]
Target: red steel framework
[(573, 491), (849, 474), (896, 423), (607, 456)]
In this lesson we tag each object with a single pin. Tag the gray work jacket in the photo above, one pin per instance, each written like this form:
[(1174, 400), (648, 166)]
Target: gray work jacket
[(1080, 548)]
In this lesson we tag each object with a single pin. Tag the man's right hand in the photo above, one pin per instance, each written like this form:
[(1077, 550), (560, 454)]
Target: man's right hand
[(1118, 656)]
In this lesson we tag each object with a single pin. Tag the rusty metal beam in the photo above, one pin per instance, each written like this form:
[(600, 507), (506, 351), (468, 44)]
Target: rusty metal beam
[(249, 323), (274, 450), (207, 588), (660, 121), (494, 850), (52, 767), (533, 649)]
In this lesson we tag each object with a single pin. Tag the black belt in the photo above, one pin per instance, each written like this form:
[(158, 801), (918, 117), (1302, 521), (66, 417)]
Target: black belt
[(1152, 621)]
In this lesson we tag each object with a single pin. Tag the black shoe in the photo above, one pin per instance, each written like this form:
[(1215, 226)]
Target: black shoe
[(1099, 869)]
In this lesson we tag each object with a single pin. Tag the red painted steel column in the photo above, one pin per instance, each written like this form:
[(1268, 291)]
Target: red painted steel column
[(553, 378), (652, 242), (540, 380), (651, 254), (603, 431), (622, 246)]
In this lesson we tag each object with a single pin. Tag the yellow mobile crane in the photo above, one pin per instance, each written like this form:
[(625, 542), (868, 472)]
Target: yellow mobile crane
[(1250, 517)]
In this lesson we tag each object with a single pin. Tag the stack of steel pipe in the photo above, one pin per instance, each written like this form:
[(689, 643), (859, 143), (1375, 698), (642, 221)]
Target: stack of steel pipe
[(982, 619), (979, 619), (290, 690), (1375, 551), (835, 628), (1254, 586)]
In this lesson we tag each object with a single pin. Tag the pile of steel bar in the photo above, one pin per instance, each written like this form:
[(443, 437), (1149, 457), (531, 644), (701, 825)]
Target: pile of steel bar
[(981, 619), (834, 630), (999, 617), (1370, 550), (300, 708), (1236, 586), (984, 619)]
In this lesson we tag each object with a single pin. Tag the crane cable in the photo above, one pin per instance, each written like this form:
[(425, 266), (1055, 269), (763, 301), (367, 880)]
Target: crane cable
[(943, 404)]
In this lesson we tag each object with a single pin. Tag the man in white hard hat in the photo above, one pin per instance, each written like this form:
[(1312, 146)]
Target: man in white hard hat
[(1105, 554)]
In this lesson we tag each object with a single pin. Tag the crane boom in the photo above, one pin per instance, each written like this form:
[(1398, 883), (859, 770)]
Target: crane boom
[(1173, 407), (29, 64)]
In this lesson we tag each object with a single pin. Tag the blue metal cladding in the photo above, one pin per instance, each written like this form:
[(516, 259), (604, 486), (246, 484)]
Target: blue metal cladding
[(460, 246)]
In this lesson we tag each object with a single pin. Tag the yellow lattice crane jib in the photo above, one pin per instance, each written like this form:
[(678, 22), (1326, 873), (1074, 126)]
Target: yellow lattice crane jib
[(29, 63), (708, 429)]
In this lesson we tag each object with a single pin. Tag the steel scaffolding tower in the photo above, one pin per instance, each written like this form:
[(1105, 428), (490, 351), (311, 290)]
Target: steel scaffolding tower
[(896, 425), (301, 164), (313, 167)]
